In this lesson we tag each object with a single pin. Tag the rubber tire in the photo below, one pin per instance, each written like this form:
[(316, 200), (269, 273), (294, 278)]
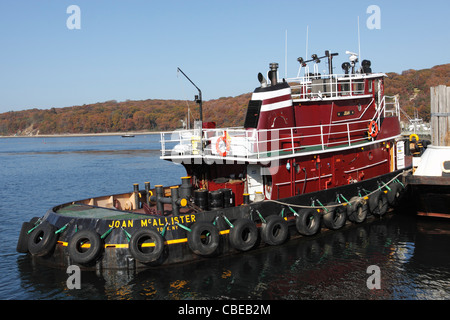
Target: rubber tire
[(378, 203), (394, 194), (243, 235), (335, 218), (88, 256), (196, 238), (275, 231), (358, 210), (141, 236), (22, 242), (308, 222), (42, 240)]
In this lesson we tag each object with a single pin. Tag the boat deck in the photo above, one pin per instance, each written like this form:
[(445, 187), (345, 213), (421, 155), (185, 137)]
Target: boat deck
[(91, 212), (79, 210)]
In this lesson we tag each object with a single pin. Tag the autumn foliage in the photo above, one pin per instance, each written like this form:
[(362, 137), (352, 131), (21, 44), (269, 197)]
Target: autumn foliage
[(413, 88), (113, 116)]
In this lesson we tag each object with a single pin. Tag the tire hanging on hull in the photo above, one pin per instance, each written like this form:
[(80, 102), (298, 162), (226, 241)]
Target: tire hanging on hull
[(275, 231), (378, 203), (22, 242), (308, 222), (203, 239), (146, 245), (336, 216), (395, 193), (243, 234), (357, 210), (85, 246), (42, 240)]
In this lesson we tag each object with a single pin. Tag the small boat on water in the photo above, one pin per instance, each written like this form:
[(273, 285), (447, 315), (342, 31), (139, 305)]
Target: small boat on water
[(316, 152), (429, 185), (128, 136)]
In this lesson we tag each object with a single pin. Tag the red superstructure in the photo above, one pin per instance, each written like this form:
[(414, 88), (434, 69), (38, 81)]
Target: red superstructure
[(301, 135)]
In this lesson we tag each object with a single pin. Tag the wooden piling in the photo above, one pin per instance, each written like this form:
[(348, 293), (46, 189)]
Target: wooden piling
[(440, 115)]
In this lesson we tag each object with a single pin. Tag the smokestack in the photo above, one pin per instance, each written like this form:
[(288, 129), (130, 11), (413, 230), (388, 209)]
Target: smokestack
[(262, 80), (273, 73)]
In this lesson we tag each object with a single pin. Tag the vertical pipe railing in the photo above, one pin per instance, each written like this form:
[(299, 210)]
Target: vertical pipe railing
[(348, 134), (321, 137), (247, 144), (257, 144), (163, 146), (292, 141)]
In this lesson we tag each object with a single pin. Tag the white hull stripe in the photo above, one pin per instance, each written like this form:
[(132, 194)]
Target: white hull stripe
[(277, 105), (270, 94)]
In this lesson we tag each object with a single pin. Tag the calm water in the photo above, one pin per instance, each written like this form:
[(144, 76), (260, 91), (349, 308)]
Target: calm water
[(412, 254)]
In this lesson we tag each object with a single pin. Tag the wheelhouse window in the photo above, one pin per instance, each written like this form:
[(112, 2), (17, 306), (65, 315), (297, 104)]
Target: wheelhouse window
[(370, 82), (253, 110)]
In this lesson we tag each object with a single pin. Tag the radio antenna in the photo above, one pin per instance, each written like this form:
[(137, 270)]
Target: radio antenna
[(307, 31), (285, 56), (359, 43)]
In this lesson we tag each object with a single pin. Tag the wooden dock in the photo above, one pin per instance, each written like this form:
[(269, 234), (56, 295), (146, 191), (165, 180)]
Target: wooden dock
[(440, 115)]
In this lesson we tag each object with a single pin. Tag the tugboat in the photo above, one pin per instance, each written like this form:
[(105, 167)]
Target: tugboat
[(315, 152)]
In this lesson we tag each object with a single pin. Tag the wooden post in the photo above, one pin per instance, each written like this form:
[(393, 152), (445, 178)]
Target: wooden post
[(433, 119), (447, 135), (440, 115)]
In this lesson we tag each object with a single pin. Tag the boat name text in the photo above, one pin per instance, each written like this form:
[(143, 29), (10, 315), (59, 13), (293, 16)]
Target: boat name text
[(159, 223)]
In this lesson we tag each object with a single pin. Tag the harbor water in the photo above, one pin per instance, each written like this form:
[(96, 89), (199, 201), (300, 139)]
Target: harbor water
[(398, 257)]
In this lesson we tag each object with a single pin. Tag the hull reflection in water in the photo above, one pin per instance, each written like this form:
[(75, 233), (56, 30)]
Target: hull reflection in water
[(327, 266)]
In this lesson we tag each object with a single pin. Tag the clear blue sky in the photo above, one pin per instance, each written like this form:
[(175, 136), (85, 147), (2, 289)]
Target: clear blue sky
[(131, 49)]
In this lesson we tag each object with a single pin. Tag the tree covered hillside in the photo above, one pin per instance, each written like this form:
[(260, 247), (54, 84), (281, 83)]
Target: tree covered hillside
[(113, 116), (412, 86)]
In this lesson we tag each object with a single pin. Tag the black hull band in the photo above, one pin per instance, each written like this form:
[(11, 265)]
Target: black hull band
[(116, 234)]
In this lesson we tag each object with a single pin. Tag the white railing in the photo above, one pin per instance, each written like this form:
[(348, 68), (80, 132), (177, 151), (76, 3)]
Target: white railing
[(260, 144), (388, 107), (392, 106), (330, 86), (263, 144)]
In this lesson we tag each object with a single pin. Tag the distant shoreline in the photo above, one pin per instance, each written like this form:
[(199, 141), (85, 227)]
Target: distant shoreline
[(62, 135)]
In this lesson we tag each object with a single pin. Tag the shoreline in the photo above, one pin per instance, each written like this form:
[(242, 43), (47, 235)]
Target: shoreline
[(136, 133), (62, 135)]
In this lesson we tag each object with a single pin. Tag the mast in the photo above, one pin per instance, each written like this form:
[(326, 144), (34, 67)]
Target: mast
[(198, 99)]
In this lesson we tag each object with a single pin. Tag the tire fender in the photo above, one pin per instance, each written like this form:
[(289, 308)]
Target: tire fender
[(22, 242), (275, 231), (378, 203), (42, 240), (308, 222), (358, 210), (146, 245), (204, 238), (85, 246), (394, 194), (243, 235), (336, 216)]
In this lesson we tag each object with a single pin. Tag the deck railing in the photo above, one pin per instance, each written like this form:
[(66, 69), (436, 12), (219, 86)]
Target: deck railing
[(263, 144), (316, 86), (260, 144)]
